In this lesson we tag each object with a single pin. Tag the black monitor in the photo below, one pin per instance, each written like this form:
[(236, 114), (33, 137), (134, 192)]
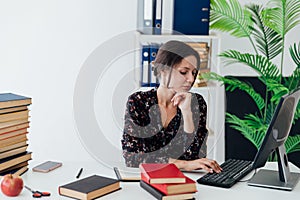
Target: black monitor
[(274, 139)]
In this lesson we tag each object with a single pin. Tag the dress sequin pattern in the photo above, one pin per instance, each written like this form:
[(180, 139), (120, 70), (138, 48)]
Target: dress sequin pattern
[(145, 140)]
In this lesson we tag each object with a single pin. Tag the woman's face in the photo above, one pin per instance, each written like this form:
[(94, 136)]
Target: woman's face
[(183, 74)]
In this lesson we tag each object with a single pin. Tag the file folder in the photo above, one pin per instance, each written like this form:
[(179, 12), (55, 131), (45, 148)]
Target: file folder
[(158, 17), (145, 18), (145, 65), (153, 51), (191, 17), (167, 16)]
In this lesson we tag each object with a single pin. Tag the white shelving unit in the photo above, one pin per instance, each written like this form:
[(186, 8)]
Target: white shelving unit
[(213, 93)]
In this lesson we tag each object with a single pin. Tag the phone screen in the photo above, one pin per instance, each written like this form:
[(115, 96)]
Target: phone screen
[(47, 166)]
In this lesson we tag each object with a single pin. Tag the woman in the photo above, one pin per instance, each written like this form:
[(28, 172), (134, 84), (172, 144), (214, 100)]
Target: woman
[(168, 124)]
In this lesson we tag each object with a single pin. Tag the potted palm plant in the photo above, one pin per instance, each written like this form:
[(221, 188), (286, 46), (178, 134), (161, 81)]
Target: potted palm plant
[(266, 28)]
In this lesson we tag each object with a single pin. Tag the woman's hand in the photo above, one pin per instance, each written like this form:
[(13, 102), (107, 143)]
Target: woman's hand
[(182, 100), (203, 163)]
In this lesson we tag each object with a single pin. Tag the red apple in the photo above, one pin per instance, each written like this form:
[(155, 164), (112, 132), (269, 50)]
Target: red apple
[(11, 185)]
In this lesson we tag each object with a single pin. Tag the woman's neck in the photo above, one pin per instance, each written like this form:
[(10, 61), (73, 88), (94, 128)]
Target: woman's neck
[(164, 95)]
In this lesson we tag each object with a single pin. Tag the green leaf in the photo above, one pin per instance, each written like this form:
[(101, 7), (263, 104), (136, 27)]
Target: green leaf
[(247, 131), (282, 15), (230, 17), (293, 82), (277, 89), (292, 144), (268, 41), (295, 54), (297, 113), (233, 84), (262, 65)]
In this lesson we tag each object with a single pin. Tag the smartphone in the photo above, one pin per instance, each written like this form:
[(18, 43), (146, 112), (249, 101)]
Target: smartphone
[(46, 166)]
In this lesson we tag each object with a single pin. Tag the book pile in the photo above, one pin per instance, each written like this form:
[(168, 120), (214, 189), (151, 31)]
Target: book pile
[(203, 50), (14, 122), (166, 181)]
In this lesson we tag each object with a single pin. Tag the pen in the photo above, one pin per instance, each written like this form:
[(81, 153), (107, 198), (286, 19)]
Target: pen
[(117, 173), (79, 173)]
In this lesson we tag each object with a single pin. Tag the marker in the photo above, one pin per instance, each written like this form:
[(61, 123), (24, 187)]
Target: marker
[(79, 173)]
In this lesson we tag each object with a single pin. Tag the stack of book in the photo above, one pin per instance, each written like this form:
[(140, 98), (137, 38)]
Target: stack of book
[(166, 181), (14, 122), (203, 50)]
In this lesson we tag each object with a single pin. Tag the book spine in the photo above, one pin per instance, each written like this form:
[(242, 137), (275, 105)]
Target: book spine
[(154, 192)]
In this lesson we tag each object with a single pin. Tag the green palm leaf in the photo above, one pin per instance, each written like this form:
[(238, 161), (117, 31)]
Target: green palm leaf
[(277, 89), (295, 54), (269, 113), (233, 84), (282, 16), (292, 144), (248, 131), (260, 64), (229, 16), (297, 113), (269, 42), (292, 82)]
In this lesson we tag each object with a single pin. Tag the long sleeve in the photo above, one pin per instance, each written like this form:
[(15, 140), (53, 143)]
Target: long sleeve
[(191, 146)]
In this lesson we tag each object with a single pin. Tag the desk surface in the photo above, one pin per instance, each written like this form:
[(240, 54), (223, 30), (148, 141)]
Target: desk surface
[(131, 190)]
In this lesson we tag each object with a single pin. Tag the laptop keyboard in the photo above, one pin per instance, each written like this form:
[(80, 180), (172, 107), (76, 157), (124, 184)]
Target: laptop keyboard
[(233, 171)]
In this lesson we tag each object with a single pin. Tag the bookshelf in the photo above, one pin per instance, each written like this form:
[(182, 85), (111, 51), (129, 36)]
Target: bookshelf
[(213, 93)]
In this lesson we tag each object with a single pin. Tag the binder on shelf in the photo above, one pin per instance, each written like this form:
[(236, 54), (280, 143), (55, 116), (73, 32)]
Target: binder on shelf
[(167, 16), (191, 17), (153, 51), (158, 17), (145, 18), (145, 65)]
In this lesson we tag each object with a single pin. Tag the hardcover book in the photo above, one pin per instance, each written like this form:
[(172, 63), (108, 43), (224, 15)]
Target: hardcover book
[(161, 173), (14, 133), (14, 128), (13, 109), (90, 187), (8, 100), (13, 123), (8, 162), (13, 152), (14, 116), (161, 196), (175, 188), (13, 146)]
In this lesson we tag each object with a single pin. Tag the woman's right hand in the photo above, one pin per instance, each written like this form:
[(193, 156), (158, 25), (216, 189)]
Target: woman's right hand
[(202, 163)]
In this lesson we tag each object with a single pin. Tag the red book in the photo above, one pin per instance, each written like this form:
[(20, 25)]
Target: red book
[(175, 188), (161, 173)]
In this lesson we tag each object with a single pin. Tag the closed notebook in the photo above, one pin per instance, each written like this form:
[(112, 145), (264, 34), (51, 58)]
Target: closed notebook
[(175, 188), (161, 173), (161, 196), (89, 188)]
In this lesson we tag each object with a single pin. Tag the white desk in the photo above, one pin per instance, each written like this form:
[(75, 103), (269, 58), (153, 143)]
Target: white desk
[(67, 173)]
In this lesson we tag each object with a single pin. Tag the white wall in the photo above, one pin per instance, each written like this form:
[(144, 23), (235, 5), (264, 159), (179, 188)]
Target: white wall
[(43, 46)]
